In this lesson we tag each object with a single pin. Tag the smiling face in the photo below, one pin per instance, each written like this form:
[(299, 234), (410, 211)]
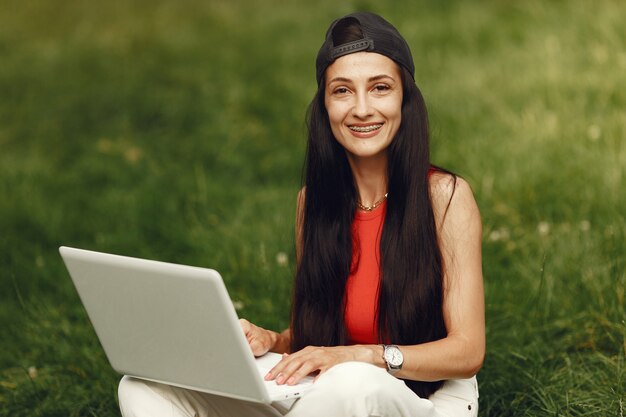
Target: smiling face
[(363, 99)]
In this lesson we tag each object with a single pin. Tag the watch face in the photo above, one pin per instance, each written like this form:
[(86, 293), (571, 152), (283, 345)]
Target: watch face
[(393, 356)]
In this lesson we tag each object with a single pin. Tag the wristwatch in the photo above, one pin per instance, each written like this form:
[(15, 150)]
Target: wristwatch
[(392, 355)]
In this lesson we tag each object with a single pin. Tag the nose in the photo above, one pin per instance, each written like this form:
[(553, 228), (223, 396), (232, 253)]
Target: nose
[(362, 107)]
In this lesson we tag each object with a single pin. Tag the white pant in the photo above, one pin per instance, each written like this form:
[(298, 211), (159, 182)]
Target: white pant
[(351, 389)]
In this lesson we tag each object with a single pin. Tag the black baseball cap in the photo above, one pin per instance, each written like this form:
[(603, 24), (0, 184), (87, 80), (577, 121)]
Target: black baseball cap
[(379, 36)]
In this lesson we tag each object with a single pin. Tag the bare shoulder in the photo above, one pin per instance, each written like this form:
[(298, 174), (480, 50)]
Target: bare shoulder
[(453, 200), (299, 221), (300, 204), (301, 196)]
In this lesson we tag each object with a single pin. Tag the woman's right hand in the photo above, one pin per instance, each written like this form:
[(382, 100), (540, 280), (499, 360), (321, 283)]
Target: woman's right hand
[(260, 340)]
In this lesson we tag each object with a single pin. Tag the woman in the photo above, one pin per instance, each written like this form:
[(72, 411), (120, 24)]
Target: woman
[(388, 307)]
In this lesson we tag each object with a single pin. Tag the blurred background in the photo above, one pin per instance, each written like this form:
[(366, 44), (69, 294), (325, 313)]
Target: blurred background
[(175, 131)]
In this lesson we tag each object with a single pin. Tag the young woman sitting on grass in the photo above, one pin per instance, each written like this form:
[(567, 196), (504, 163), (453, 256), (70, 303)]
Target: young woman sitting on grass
[(388, 306)]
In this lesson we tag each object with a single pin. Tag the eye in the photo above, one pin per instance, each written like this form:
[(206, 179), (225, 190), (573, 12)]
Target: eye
[(340, 91), (381, 88)]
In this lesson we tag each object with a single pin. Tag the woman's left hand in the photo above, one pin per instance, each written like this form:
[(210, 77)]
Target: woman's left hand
[(292, 368)]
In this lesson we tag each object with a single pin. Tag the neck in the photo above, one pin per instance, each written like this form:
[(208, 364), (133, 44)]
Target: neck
[(370, 177)]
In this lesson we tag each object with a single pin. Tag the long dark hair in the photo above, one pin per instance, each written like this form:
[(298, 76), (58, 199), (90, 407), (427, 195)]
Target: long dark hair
[(411, 289)]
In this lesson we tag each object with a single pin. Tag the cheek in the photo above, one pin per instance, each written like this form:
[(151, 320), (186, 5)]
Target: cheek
[(393, 110), (394, 131), (335, 116)]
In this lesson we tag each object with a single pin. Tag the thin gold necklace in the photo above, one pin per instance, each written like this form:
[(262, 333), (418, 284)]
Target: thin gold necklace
[(373, 206)]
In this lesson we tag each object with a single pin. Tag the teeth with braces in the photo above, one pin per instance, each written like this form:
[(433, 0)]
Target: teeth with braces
[(365, 129)]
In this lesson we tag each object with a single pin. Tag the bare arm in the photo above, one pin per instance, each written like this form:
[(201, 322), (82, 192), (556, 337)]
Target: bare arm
[(460, 354), (299, 224)]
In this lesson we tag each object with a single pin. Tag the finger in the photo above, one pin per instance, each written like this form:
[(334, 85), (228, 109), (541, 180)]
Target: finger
[(271, 375), (301, 372), (295, 370), (277, 369), (257, 347), (288, 360), (245, 325)]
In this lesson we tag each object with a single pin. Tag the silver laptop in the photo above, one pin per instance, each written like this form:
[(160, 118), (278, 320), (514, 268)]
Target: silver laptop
[(172, 324)]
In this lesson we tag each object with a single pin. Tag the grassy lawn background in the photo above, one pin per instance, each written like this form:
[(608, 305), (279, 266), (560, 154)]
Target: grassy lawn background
[(174, 131)]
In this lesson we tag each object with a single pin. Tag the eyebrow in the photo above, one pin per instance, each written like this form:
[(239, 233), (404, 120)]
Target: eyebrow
[(371, 79)]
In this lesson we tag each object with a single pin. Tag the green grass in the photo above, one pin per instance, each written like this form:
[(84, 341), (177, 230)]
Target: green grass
[(174, 131)]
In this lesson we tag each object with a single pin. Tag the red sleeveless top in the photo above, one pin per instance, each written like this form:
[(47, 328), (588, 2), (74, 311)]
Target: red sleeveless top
[(364, 279), (362, 286)]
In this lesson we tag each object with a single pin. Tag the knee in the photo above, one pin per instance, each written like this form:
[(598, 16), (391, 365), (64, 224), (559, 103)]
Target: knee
[(126, 389), (354, 389), (130, 393), (356, 370), (358, 379)]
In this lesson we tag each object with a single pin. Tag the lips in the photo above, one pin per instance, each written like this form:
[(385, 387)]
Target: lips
[(365, 128)]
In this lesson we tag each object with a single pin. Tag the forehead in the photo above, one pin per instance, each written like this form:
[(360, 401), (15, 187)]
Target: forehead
[(362, 65)]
